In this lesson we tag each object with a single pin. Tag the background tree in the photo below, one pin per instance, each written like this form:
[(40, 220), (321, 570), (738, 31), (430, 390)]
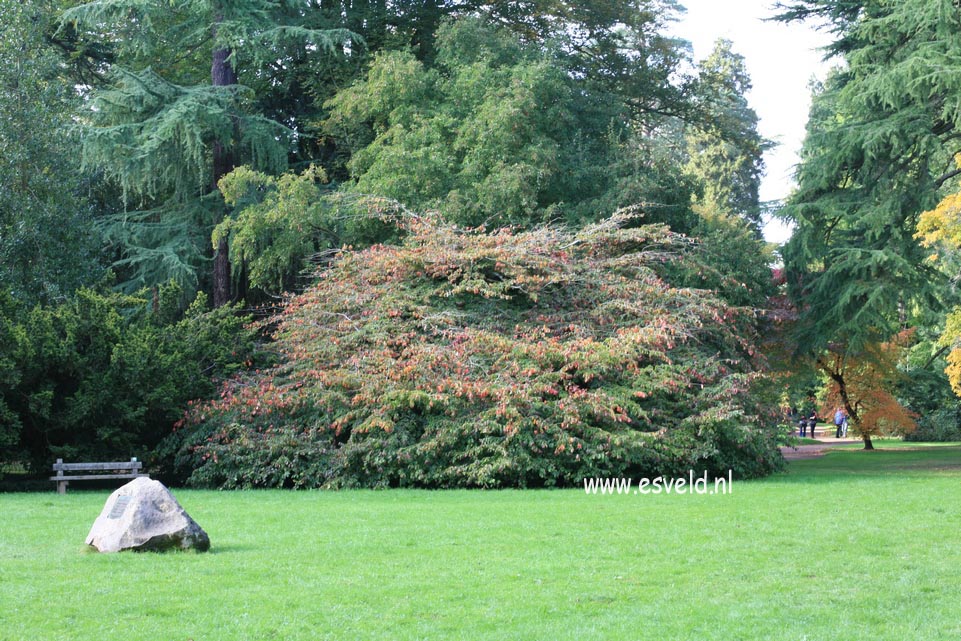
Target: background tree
[(47, 245), (880, 140), (12, 339), (198, 88), (493, 133), (168, 127), (725, 163), (286, 227), (724, 147), (863, 386), (940, 229)]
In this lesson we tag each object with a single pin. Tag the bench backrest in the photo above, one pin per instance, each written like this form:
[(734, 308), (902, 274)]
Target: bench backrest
[(132, 465)]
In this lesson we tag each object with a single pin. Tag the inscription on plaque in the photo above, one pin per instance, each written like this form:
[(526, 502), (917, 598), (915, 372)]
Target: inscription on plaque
[(119, 507)]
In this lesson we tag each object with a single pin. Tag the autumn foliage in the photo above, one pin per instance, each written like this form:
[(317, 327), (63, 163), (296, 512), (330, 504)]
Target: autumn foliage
[(940, 228), (860, 384), (473, 359)]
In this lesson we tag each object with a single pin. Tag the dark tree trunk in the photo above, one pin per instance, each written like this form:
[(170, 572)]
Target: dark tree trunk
[(852, 410), (221, 284), (222, 74), (221, 71), (425, 24)]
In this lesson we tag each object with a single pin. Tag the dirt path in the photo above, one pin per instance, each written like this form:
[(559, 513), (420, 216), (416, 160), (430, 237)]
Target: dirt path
[(815, 450)]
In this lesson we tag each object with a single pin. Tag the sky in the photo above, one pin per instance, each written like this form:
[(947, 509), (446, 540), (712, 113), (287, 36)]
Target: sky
[(782, 60)]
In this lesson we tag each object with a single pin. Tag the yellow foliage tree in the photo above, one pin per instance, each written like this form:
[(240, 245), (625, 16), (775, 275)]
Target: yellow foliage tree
[(940, 229)]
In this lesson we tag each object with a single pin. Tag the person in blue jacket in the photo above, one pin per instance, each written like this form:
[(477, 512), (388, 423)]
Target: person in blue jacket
[(838, 422)]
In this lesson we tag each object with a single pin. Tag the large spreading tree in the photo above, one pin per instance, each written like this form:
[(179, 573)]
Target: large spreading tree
[(471, 359)]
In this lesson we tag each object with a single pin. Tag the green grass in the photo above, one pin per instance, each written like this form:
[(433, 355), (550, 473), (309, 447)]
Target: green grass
[(853, 545), (893, 444)]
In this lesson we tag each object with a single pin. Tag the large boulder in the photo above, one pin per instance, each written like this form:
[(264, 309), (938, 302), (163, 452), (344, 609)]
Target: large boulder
[(144, 515)]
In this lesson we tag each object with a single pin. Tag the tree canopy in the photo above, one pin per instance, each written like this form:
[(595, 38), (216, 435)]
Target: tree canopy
[(47, 245), (412, 203)]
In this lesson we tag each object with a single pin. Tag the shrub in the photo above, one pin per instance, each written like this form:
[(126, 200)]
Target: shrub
[(472, 359), (106, 375), (941, 425)]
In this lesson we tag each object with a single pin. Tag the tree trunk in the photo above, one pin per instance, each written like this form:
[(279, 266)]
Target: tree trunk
[(852, 411), (222, 74), (221, 284)]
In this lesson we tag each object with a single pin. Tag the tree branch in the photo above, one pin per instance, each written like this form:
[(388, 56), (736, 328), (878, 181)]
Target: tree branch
[(935, 356), (946, 177)]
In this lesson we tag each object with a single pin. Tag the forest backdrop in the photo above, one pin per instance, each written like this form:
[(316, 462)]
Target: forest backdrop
[(332, 243)]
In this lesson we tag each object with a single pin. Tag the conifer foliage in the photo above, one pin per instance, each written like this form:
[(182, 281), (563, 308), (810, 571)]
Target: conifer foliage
[(465, 358), (174, 116), (881, 139), (880, 144)]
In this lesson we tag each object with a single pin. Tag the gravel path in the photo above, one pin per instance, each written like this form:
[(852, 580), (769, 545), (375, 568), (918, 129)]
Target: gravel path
[(815, 450)]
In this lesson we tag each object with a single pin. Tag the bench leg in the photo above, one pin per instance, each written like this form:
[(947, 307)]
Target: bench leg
[(61, 487)]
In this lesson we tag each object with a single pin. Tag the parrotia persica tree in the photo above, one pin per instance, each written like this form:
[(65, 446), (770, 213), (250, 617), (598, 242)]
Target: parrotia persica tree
[(881, 137), (490, 360)]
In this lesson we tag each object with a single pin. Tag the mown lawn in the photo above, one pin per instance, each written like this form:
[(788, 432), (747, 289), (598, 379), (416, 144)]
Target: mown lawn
[(854, 545)]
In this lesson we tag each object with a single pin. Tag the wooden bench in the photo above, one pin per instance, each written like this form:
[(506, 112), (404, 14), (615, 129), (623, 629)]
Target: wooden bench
[(100, 471)]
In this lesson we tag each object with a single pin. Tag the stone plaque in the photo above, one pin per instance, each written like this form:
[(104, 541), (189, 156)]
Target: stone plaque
[(119, 507)]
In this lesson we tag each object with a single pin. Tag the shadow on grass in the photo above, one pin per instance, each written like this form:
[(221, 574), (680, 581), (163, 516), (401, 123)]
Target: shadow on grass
[(232, 548)]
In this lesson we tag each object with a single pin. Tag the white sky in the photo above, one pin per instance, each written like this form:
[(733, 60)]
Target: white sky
[(781, 60)]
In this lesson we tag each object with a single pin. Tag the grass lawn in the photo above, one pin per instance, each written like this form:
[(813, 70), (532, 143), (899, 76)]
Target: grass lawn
[(853, 545)]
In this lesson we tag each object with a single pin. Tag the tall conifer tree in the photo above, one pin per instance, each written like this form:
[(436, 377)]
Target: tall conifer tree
[(726, 150), (881, 137), (167, 126)]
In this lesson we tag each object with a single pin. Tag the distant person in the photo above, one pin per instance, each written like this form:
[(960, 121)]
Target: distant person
[(844, 427), (802, 425), (838, 422), (812, 421), (793, 417)]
